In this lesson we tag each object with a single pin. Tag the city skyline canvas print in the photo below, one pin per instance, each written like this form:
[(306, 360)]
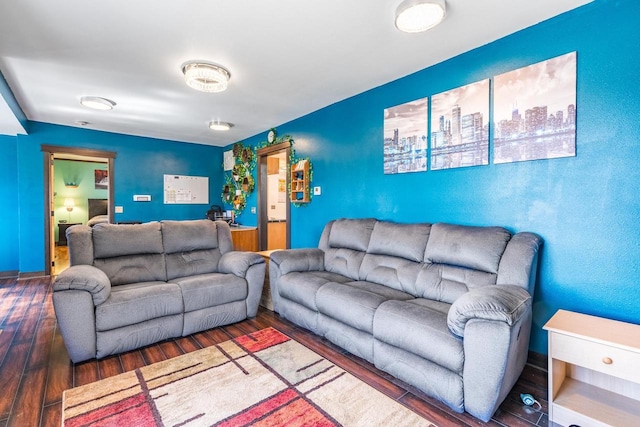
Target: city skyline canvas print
[(459, 127), (535, 111), (405, 137)]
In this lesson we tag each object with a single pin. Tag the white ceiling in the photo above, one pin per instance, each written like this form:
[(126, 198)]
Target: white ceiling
[(287, 58)]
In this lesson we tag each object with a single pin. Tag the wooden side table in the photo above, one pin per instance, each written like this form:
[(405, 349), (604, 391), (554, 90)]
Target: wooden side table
[(594, 371), (266, 300)]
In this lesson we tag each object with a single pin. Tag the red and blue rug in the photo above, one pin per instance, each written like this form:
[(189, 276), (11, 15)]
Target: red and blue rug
[(261, 379)]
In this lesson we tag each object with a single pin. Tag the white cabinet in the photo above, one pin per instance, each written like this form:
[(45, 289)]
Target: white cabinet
[(594, 371)]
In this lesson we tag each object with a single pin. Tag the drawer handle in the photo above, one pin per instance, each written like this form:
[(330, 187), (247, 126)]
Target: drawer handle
[(607, 360)]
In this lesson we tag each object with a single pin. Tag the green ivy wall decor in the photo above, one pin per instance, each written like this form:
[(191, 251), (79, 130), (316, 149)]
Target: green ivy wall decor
[(239, 182)]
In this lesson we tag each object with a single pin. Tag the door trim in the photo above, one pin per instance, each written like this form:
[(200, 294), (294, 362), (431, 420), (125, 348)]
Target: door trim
[(263, 217), (49, 151)]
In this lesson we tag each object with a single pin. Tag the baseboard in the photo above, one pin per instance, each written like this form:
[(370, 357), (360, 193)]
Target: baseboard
[(32, 274), (538, 360), (8, 274)]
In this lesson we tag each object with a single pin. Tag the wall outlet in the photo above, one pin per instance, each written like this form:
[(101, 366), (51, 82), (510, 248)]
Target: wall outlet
[(119, 209), (317, 191), (253, 209)]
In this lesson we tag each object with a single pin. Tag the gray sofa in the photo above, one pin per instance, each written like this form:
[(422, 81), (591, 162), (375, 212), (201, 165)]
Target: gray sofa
[(132, 285), (445, 308)]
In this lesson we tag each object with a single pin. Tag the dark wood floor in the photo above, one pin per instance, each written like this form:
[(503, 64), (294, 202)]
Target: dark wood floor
[(35, 368)]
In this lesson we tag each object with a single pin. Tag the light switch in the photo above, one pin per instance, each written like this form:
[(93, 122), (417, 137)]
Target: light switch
[(317, 191), (119, 209)]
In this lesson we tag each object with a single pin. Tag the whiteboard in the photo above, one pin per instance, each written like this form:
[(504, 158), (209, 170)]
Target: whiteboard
[(182, 189)]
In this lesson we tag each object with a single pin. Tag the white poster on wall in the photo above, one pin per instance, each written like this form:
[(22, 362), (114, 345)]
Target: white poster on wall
[(182, 189)]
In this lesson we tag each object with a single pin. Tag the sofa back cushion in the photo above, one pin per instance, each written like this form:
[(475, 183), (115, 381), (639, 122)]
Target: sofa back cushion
[(446, 283), (129, 253), (395, 254), (344, 242), (459, 258), (110, 240), (478, 248), (191, 247), (406, 241)]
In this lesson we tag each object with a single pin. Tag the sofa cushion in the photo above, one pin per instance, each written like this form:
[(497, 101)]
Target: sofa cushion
[(447, 283), (351, 233), (186, 236), (391, 271), (419, 326), (400, 240), (110, 240), (133, 268), (345, 262), (478, 248), (301, 287), (138, 302), (209, 290), (355, 303), (181, 264)]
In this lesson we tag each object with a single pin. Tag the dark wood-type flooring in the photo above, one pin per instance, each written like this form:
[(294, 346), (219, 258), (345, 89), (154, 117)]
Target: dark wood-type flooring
[(35, 368)]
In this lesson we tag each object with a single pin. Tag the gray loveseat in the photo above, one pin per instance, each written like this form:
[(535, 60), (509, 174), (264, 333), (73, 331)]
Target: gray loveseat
[(132, 285), (445, 308)]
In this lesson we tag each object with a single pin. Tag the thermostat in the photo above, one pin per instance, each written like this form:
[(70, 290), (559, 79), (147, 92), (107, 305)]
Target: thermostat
[(141, 197)]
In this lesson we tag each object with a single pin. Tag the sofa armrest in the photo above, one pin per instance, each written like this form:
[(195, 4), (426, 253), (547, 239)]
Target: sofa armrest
[(238, 262), (502, 303), (85, 278), (298, 260)]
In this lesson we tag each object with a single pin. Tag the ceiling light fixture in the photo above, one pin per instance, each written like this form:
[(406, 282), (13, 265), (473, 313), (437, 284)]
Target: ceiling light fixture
[(220, 126), (97, 103), (414, 16), (205, 76)]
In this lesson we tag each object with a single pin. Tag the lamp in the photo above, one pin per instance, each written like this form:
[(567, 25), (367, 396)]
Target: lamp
[(68, 203), (217, 125), (414, 16), (97, 103), (205, 76)]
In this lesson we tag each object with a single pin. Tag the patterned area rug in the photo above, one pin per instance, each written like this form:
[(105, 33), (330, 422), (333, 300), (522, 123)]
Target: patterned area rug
[(261, 379)]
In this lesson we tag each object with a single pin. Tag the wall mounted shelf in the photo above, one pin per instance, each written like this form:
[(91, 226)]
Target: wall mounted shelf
[(300, 182)]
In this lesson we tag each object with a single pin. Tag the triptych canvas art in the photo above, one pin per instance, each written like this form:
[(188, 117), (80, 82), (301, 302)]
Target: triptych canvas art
[(534, 117)]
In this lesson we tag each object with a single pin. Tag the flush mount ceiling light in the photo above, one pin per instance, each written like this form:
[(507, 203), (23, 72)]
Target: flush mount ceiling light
[(205, 76), (414, 16), (97, 103), (217, 125)]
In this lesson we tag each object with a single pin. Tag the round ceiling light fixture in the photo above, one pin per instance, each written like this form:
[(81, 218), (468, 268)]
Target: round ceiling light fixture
[(205, 76), (97, 103), (217, 125), (415, 16)]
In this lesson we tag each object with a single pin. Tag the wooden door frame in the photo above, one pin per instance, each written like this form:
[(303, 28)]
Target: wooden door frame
[(263, 217), (49, 151)]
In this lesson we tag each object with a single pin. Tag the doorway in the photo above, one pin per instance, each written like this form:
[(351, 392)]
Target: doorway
[(78, 188), (273, 198)]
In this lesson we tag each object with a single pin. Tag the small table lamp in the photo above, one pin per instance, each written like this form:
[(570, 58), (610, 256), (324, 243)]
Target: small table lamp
[(68, 203)]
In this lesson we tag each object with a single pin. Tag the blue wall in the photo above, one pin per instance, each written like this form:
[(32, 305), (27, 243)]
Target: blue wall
[(138, 169), (586, 208), (9, 212)]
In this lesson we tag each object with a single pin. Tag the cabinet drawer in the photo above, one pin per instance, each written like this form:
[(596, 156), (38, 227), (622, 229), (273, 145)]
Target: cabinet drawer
[(593, 355)]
